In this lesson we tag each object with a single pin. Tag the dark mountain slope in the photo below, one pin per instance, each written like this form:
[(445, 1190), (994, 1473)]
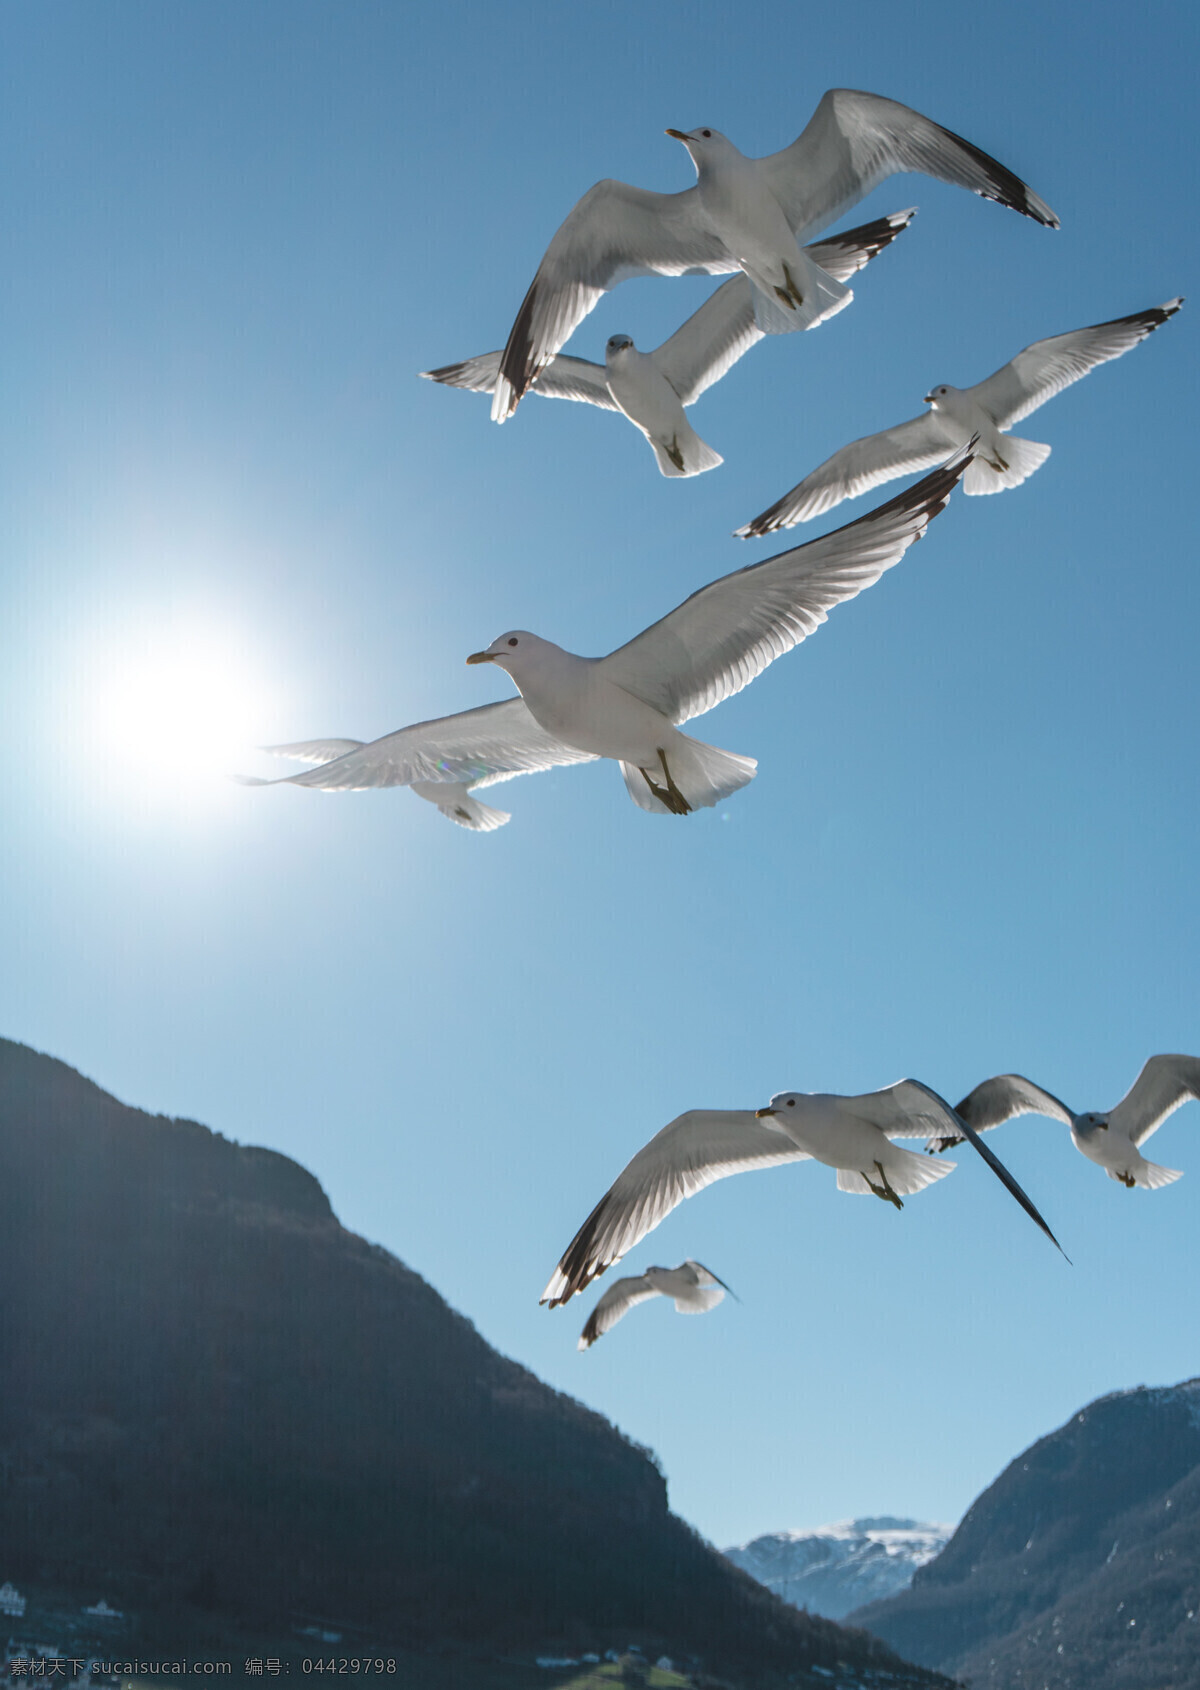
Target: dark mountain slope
[(1079, 1569), (216, 1397)]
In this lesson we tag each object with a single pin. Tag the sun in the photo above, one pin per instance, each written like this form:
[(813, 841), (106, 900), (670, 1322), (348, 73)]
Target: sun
[(176, 709)]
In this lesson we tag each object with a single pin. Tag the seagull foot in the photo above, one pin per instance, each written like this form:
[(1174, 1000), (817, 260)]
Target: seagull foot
[(1127, 1180), (668, 795), (673, 452), (680, 805), (792, 294), (885, 1189)]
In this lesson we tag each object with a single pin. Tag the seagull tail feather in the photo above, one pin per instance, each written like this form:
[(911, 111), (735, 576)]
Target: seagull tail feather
[(685, 454), (1022, 458), (700, 1301), (807, 296), (1152, 1174), (704, 774)]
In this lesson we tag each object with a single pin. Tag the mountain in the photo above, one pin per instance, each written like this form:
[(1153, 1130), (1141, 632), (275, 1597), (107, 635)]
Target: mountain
[(1079, 1569), (836, 1568), (221, 1407)]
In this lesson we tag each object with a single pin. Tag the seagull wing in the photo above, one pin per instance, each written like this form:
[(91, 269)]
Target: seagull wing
[(718, 640), (865, 463), (314, 750), (844, 255), (1163, 1084), (615, 232), (479, 747), (563, 378), (694, 1150), (616, 1302), (854, 140), (998, 1100), (907, 1109), (1048, 366), (910, 1109), (711, 341), (715, 337)]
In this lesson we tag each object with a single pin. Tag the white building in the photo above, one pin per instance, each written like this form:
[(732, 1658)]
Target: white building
[(101, 1611), (11, 1601)]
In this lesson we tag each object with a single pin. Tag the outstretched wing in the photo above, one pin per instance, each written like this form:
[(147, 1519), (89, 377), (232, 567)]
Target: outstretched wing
[(1000, 1099), (715, 337), (854, 140), (615, 232), (1163, 1084), (718, 640), (1048, 366), (314, 750), (694, 1150), (863, 464), (478, 747), (920, 1103), (616, 1302), (907, 1109), (563, 378), (842, 256)]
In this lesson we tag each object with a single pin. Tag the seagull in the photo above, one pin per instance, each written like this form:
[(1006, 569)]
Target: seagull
[(452, 797), (694, 1288), (628, 705), (745, 214), (652, 388), (851, 1134), (989, 410), (1111, 1139)]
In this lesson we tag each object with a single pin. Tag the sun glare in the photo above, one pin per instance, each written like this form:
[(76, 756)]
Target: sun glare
[(179, 716)]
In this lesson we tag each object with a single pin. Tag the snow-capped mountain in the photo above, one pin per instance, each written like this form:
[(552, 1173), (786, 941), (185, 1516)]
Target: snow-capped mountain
[(832, 1569)]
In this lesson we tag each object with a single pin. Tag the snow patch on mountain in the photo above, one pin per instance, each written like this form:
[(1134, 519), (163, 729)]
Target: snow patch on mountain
[(835, 1568)]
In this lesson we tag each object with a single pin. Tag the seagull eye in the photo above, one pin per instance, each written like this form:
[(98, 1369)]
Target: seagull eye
[(707, 133), (512, 642), (791, 1102)]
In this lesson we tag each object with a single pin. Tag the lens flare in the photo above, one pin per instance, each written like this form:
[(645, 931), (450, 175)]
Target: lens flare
[(173, 713)]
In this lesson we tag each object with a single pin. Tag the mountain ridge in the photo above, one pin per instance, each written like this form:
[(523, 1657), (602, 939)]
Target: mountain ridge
[(1079, 1567), (835, 1568), (231, 1404)]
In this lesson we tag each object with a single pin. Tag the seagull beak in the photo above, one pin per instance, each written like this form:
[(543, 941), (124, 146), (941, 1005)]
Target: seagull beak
[(759, 1113), (480, 657), (677, 135), (928, 399)]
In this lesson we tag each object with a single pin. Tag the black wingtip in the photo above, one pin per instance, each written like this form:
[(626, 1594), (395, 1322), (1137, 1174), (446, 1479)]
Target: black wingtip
[(1151, 319), (1006, 1179), (447, 372), (931, 494), (575, 1266), (762, 524), (517, 368), (1004, 186)]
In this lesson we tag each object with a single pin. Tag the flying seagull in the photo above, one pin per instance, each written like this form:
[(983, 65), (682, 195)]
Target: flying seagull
[(989, 410), (851, 1134), (1111, 1139), (693, 1287), (452, 797), (652, 388), (628, 705), (744, 214)]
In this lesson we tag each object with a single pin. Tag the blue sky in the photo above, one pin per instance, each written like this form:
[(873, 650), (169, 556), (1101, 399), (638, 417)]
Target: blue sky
[(234, 236)]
